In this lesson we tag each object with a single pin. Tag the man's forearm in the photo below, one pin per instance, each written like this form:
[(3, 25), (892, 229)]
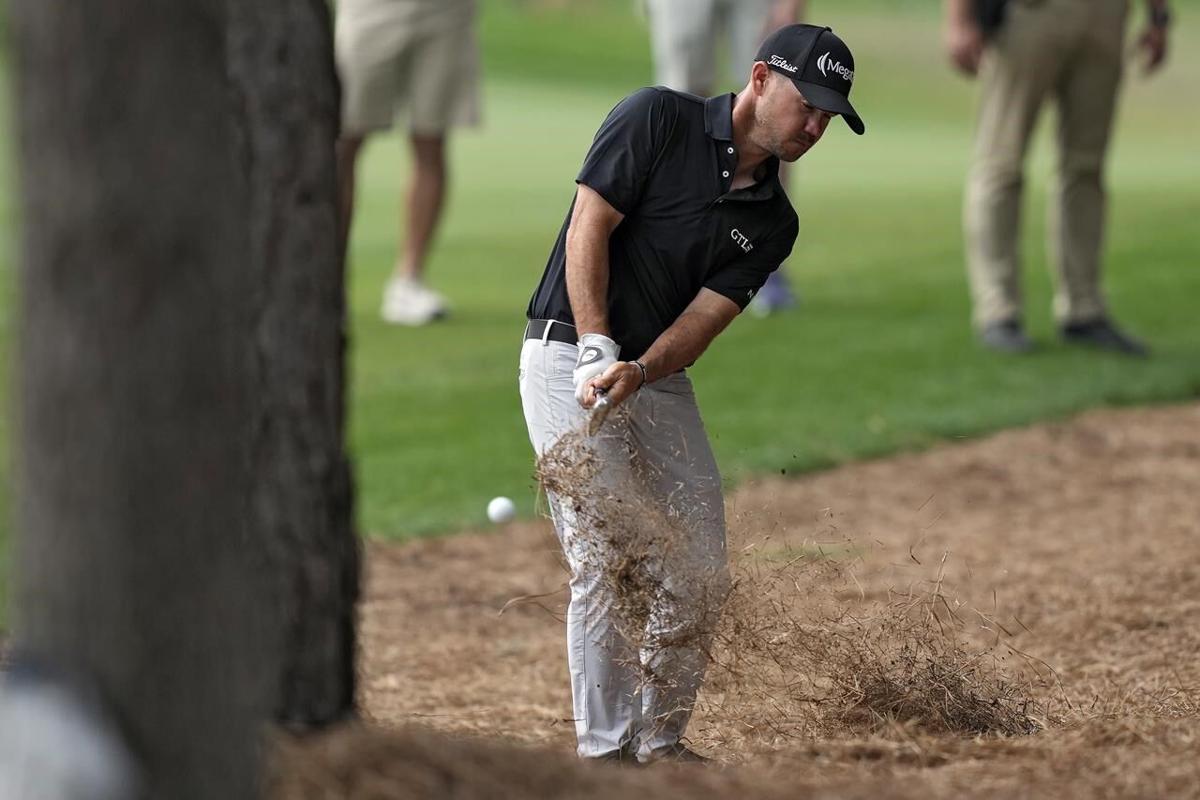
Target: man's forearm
[(682, 343)]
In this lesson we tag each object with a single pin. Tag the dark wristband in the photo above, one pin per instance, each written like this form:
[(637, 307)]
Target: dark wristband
[(642, 367), (1160, 16)]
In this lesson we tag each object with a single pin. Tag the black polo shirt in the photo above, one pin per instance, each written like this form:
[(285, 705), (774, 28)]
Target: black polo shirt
[(666, 160)]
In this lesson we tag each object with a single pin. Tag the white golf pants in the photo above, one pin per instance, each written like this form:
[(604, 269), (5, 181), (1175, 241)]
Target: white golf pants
[(656, 466)]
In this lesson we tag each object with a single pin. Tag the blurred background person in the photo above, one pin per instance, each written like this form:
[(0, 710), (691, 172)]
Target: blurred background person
[(418, 58), (1025, 52), (684, 40)]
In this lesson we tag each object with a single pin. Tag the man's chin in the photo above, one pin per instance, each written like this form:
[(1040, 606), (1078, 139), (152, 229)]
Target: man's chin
[(792, 154)]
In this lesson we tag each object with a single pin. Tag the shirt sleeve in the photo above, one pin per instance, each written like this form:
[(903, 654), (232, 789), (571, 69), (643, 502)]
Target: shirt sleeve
[(627, 147), (742, 279)]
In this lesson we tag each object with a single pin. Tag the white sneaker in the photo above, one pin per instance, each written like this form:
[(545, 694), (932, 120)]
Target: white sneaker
[(407, 302)]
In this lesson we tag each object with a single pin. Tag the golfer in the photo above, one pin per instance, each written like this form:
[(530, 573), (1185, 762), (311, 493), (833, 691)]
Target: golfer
[(677, 221)]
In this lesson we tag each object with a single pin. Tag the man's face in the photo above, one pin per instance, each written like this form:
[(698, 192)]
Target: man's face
[(785, 124)]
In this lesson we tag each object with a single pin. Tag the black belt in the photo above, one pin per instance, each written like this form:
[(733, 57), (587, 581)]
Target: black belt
[(559, 331)]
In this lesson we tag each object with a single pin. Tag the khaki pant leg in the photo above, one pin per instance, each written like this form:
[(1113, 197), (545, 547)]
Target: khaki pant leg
[(605, 683), (1086, 96), (683, 38), (1019, 69), (675, 463), (746, 21)]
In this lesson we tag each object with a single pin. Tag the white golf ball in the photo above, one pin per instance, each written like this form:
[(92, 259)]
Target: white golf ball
[(501, 509)]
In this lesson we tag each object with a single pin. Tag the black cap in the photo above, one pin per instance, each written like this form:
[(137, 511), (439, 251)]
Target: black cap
[(820, 65)]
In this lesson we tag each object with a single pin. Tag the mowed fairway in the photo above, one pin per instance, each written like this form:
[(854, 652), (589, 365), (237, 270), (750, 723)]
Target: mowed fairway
[(878, 358)]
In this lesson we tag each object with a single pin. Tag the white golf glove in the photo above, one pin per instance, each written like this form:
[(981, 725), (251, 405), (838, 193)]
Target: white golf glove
[(597, 353)]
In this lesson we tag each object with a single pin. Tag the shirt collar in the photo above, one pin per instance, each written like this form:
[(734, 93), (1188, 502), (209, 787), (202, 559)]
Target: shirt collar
[(718, 124), (718, 117)]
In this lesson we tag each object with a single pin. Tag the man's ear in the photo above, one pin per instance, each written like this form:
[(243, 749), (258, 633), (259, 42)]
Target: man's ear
[(760, 75)]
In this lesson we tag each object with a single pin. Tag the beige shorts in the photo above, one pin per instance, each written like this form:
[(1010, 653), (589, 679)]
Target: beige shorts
[(407, 58)]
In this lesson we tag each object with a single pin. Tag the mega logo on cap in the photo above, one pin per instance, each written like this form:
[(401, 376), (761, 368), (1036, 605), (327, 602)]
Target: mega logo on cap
[(827, 65)]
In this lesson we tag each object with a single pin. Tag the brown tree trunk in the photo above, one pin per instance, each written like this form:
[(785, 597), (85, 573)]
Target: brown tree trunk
[(134, 567), (281, 59), (184, 530)]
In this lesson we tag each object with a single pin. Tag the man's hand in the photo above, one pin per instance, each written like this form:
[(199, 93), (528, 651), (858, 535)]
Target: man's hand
[(964, 44), (620, 380), (596, 354), (1153, 44)]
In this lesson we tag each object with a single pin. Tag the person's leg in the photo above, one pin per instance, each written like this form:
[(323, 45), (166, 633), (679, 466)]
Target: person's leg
[(603, 665), (440, 81), (367, 62), (675, 463), (683, 43), (1086, 96), (347, 150), (746, 22), (406, 299), (1018, 68), (426, 196)]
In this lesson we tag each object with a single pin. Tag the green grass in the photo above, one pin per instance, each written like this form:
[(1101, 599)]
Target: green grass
[(879, 358)]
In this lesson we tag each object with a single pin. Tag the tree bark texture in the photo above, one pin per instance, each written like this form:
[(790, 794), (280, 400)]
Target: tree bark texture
[(135, 566), (282, 71), (185, 541)]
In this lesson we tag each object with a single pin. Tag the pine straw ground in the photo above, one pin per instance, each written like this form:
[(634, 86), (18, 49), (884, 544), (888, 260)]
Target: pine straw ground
[(1014, 616)]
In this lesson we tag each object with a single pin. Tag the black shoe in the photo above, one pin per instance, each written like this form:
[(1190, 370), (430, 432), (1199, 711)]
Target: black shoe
[(1104, 335), (1005, 337), (676, 754)]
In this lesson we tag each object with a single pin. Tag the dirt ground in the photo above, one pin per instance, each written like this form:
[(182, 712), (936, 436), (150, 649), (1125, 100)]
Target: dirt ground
[(1081, 539)]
